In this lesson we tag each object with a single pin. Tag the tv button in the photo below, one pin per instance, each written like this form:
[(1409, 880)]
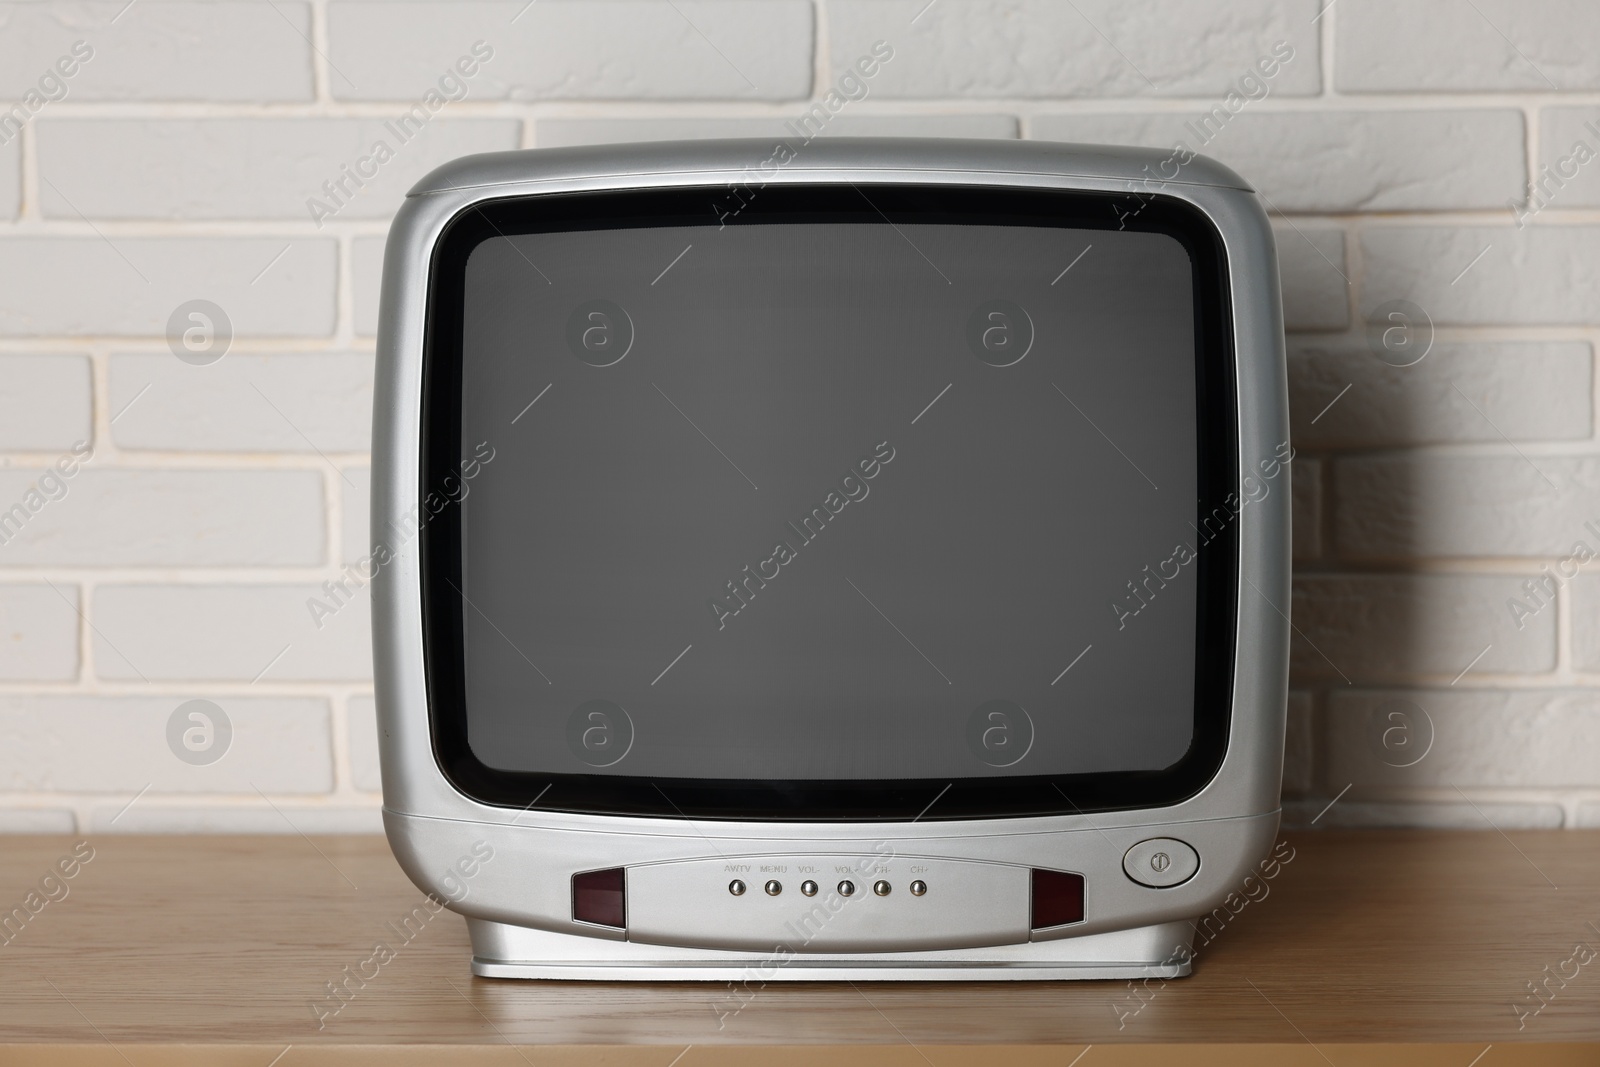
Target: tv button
[(1161, 862)]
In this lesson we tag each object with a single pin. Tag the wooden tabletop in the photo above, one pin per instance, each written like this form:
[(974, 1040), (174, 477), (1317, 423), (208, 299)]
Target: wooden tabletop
[(212, 950)]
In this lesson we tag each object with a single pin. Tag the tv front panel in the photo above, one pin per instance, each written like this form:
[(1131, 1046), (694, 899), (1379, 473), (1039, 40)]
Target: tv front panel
[(878, 558)]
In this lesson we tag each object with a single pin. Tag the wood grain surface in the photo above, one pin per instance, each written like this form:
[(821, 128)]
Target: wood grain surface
[(1366, 945)]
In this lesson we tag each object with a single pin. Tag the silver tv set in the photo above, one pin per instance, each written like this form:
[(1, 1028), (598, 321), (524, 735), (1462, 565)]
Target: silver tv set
[(839, 559)]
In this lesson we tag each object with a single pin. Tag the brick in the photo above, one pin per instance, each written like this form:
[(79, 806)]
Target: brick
[(156, 50), (131, 285), (231, 632), (1584, 593), (1480, 815), (1312, 270), (10, 178), (38, 632), (37, 821), (144, 517), (355, 538), (1569, 182), (90, 744), (1458, 392), (1480, 738), (366, 274), (1539, 275), (362, 716), (1305, 482), (1334, 161), (248, 168), (282, 402), (1389, 627), (1403, 507), (573, 49), (1484, 46), (156, 816), (555, 133), (1015, 48), (45, 403), (1297, 744)]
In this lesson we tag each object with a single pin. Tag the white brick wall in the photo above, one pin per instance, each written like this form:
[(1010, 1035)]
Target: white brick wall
[(38, 633), (1396, 147), (1306, 487), (355, 488), (1560, 129), (364, 770), (1552, 734), (247, 402), (577, 49), (554, 133), (1524, 391), (10, 179), (117, 744), (1335, 162), (1540, 275), (163, 516), (64, 284), (1042, 49), (1418, 506), (1315, 276), (197, 51), (1442, 46), (245, 633), (1391, 627), (45, 405), (239, 168), (366, 274)]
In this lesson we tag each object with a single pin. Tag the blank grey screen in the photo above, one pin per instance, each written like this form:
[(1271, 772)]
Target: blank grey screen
[(848, 500)]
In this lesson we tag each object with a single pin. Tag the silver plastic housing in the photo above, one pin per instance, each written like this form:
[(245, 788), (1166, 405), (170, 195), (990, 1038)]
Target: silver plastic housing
[(519, 903)]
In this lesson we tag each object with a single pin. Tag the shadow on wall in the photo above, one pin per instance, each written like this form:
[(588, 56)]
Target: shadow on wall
[(1420, 516)]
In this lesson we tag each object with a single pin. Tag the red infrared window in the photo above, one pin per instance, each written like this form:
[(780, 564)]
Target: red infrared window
[(1057, 898), (599, 897)]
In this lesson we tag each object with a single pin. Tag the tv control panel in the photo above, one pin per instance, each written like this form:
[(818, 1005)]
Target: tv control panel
[(833, 903)]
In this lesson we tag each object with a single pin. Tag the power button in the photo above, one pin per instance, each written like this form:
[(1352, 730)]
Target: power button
[(1161, 862)]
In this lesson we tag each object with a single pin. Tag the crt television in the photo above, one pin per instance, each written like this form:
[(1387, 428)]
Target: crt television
[(855, 559)]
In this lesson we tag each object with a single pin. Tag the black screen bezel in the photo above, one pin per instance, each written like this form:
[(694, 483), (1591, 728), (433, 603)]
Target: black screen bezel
[(851, 800)]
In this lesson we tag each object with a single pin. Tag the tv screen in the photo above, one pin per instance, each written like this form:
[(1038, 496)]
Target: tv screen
[(832, 488)]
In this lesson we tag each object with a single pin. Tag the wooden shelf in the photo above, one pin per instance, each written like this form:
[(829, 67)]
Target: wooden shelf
[(214, 949)]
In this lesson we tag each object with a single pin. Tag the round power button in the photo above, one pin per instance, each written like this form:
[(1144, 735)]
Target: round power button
[(1161, 862)]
